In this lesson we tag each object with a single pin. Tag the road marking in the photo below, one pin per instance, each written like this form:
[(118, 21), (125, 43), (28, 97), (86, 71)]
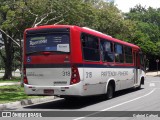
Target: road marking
[(152, 84), (116, 105), (153, 81)]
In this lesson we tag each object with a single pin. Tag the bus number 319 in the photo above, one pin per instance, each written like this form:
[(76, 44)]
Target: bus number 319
[(66, 73)]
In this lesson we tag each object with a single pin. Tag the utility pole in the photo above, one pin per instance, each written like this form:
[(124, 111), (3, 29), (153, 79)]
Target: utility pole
[(157, 61)]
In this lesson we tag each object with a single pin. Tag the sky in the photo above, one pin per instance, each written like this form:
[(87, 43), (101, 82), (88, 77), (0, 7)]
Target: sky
[(125, 5)]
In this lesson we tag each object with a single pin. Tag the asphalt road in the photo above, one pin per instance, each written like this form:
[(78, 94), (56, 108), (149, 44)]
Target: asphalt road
[(145, 99)]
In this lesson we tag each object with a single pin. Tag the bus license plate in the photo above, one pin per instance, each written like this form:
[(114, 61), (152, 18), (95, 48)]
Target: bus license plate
[(48, 91)]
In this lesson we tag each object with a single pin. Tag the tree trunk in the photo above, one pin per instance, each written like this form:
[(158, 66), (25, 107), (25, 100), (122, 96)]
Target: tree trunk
[(9, 55), (8, 72)]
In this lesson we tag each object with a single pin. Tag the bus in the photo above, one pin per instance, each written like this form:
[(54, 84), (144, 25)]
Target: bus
[(72, 61)]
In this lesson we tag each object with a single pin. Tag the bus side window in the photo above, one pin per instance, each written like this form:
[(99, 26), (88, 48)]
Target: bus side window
[(141, 59), (90, 47), (128, 54), (107, 51), (83, 39), (119, 54)]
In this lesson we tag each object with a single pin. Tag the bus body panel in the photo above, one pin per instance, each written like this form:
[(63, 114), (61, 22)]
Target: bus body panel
[(73, 90), (76, 50), (97, 78), (86, 86), (49, 76)]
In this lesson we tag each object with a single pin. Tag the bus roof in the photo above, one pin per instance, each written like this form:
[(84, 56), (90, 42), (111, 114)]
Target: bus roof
[(108, 37), (89, 31)]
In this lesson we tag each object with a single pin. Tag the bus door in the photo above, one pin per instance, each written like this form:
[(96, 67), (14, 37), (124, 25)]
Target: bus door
[(135, 53)]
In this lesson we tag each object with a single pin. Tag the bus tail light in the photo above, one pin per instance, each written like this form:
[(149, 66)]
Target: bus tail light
[(25, 80), (75, 75)]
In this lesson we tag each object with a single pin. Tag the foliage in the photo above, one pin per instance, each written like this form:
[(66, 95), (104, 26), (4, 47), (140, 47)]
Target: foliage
[(147, 30), (110, 20)]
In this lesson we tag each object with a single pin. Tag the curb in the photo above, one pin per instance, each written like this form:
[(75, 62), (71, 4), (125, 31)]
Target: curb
[(6, 84), (153, 74), (14, 105)]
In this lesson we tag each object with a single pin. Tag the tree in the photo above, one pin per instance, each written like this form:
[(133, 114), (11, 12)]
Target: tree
[(6, 30), (108, 18), (147, 29), (16, 16)]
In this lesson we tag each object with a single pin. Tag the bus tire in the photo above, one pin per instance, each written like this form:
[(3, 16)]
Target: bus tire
[(110, 91), (139, 87)]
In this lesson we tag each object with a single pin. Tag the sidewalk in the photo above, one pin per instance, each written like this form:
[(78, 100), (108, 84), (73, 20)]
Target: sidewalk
[(153, 73), (10, 83), (17, 104)]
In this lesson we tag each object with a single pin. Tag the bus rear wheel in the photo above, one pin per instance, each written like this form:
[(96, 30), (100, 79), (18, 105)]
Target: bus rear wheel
[(139, 87), (110, 91)]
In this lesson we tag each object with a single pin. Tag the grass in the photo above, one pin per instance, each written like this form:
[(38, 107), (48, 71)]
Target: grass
[(13, 93), (15, 79)]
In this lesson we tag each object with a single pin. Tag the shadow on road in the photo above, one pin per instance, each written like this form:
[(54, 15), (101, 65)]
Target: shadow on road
[(62, 104), (126, 91)]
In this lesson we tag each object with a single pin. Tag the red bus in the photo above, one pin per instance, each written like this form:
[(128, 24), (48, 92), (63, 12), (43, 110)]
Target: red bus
[(66, 60)]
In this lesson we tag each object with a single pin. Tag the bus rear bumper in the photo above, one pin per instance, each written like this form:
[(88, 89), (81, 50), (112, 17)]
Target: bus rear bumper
[(70, 90)]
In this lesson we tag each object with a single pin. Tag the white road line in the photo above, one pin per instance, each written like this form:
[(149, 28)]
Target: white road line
[(116, 105), (153, 81), (151, 84)]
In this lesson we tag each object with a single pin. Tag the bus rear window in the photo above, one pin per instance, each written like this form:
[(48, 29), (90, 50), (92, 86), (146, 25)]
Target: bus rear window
[(48, 42)]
